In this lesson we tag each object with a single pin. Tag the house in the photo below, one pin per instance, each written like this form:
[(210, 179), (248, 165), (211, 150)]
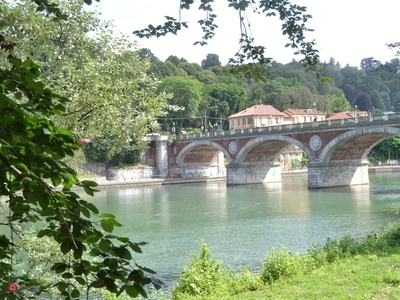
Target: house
[(348, 115), (259, 115), (301, 115)]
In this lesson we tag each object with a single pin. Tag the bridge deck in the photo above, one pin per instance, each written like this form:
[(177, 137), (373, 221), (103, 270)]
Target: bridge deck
[(299, 127)]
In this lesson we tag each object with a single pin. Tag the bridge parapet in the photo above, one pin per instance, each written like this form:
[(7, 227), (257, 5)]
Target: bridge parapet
[(296, 128), (336, 149)]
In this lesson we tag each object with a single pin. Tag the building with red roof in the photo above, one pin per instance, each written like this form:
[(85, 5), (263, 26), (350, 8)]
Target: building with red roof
[(348, 115), (260, 115), (302, 115)]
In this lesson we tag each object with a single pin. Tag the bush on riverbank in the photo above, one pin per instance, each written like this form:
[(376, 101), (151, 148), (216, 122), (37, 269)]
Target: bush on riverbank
[(206, 276)]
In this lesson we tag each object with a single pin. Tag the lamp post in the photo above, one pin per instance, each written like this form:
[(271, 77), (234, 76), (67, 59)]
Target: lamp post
[(356, 110), (314, 104), (173, 128)]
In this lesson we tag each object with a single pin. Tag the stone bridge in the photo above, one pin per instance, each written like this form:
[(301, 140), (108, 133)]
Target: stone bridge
[(336, 150)]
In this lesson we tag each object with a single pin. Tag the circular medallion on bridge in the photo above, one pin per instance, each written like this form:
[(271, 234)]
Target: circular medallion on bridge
[(315, 142), (232, 147)]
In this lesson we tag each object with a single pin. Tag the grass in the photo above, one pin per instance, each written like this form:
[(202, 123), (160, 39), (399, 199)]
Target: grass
[(361, 277), (367, 268)]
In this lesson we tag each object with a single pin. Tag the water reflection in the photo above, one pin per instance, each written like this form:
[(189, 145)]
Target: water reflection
[(241, 223)]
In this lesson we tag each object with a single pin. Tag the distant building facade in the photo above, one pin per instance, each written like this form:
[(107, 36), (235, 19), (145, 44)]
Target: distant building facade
[(300, 115), (262, 115), (348, 115), (259, 115)]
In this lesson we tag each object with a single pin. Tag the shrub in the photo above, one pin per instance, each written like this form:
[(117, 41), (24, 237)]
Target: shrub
[(204, 276), (282, 264), (391, 234)]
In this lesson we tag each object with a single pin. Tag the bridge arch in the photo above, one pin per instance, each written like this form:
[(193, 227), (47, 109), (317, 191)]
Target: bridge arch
[(282, 140), (355, 145), (212, 148)]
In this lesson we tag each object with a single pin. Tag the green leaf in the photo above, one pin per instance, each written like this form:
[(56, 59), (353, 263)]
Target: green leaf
[(67, 275), (59, 267), (94, 238), (85, 211), (107, 215), (131, 291), (62, 286), (80, 280), (89, 183), (56, 180), (45, 232), (90, 206), (103, 245), (65, 246), (107, 225), (75, 293)]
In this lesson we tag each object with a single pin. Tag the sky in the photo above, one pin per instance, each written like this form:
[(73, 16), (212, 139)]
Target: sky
[(347, 30)]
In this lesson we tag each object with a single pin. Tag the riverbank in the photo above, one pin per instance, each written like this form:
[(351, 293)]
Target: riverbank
[(104, 183), (366, 268)]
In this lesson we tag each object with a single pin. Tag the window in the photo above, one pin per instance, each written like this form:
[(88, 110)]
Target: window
[(249, 120), (238, 121), (244, 121), (276, 121)]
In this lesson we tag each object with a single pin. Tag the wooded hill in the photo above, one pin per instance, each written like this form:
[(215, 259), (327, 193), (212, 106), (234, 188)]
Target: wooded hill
[(210, 91)]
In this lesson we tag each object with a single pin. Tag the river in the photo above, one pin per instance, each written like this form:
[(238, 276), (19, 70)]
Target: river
[(240, 223)]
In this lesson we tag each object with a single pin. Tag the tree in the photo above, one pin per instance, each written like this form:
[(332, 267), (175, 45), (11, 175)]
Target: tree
[(339, 103), (393, 66), (145, 53), (224, 99), (348, 91), (175, 60), (377, 102), (36, 186), (186, 93), (212, 60), (191, 69), (363, 102), (295, 97), (370, 64), (388, 149), (386, 100), (120, 93), (207, 77)]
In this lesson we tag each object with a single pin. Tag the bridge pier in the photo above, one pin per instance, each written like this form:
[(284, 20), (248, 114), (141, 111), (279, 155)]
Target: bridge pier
[(345, 173), (249, 173), (162, 156)]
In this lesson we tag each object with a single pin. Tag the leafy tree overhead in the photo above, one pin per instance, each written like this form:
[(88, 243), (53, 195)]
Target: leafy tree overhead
[(35, 181), (120, 93), (251, 58)]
